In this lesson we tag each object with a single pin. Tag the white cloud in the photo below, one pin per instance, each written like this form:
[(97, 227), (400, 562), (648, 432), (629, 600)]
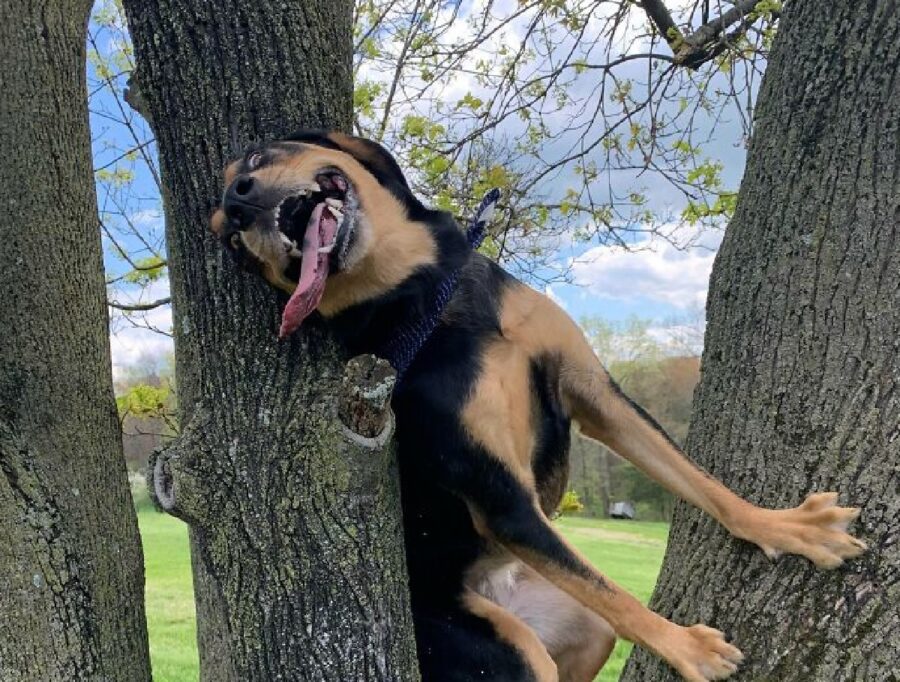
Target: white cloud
[(132, 342), (133, 345), (553, 296), (148, 217), (653, 270)]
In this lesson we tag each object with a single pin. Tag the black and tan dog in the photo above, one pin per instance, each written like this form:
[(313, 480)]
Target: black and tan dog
[(483, 416)]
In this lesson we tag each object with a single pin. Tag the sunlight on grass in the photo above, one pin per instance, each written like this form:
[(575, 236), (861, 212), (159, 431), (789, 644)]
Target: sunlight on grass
[(629, 552)]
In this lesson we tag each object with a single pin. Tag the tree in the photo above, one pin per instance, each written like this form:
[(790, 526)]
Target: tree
[(800, 387), (71, 570), (294, 518)]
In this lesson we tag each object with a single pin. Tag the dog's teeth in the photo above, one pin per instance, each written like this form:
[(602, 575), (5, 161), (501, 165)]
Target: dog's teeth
[(334, 203), (337, 214), (327, 249)]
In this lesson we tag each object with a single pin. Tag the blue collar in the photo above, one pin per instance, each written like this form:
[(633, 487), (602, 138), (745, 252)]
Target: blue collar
[(401, 349)]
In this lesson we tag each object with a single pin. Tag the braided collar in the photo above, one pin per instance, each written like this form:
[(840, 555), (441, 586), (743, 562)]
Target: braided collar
[(401, 349)]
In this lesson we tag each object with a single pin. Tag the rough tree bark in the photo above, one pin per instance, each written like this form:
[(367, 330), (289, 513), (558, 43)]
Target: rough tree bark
[(294, 519), (799, 389), (71, 571)]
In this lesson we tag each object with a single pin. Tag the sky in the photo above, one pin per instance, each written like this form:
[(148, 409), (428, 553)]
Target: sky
[(652, 280)]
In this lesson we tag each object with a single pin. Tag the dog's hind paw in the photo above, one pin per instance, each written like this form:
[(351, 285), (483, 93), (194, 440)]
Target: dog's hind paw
[(817, 530), (700, 653)]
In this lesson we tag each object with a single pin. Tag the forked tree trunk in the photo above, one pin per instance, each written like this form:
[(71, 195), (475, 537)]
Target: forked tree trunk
[(295, 525), (799, 390), (71, 572)]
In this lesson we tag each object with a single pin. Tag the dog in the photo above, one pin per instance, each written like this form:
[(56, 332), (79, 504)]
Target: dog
[(483, 414)]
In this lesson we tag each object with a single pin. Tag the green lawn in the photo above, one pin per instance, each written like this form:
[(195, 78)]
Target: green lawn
[(629, 552), (170, 597)]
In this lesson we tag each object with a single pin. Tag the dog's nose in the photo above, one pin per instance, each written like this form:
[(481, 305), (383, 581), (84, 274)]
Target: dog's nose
[(241, 203)]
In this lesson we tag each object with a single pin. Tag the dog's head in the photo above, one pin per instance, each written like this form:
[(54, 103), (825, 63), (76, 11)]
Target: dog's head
[(312, 208)]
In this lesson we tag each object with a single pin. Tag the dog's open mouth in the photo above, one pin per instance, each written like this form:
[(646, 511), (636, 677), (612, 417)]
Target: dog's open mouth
[(317, 225)]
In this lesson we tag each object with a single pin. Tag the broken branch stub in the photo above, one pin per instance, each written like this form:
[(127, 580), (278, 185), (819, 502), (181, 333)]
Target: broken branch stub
[(174, 481), (364, 403)]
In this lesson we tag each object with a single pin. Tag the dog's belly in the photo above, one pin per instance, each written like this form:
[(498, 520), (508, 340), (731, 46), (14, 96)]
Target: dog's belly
[(561, 622)]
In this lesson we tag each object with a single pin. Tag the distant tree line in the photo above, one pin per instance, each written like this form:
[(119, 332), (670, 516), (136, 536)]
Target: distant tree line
[(658, 368)]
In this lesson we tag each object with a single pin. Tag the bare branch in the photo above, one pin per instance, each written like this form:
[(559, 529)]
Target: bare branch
[(140, 307), (125, 154), (703, 44), (719, 25)]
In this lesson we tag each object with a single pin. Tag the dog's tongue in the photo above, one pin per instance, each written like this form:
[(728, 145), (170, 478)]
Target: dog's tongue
[(313, 271)]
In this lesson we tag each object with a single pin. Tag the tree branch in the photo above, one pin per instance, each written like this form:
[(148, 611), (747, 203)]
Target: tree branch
[(662, 19), (703, 44), (713, 28), (124, 154), (139, 307)]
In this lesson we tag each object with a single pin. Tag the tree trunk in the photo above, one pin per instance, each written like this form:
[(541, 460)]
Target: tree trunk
[(71, 570), (605, 481), (295, 521), (799, 387)]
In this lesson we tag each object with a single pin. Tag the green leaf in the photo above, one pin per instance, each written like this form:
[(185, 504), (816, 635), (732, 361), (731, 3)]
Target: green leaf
[(143, 400), (147, 270)]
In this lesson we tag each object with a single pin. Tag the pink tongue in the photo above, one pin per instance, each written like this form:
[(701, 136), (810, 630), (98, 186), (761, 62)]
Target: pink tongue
[(313, 271)]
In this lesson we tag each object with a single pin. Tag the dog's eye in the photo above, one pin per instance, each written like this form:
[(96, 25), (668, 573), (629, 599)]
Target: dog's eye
[(254, 160), (235, 241)]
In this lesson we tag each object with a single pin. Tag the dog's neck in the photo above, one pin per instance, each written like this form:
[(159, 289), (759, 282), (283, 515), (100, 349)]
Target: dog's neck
[(368, 326)]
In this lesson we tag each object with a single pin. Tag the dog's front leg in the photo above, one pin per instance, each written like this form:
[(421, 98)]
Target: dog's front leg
[(698, 652), (817, 529)]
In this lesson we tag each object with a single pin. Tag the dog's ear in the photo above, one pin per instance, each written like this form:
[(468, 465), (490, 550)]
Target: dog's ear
[(371, 155)]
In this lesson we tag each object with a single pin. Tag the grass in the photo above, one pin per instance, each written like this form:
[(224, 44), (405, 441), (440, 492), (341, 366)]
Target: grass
[(629, 552), (170, 597)]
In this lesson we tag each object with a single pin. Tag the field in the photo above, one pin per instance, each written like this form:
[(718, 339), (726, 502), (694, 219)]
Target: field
[(628, 552)]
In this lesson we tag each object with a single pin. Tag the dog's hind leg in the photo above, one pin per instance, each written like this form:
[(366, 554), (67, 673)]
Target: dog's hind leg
[(474, 639), (577, 639), (516, 633), (514, 520)]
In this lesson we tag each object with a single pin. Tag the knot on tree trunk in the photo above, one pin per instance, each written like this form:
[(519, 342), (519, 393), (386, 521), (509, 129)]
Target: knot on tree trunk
[(179, 475), (172, 472), (364, 402), (160, 481)]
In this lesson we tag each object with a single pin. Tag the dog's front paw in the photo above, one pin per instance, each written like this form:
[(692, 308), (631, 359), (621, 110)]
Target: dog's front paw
[(817, 529), (700, 653)]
